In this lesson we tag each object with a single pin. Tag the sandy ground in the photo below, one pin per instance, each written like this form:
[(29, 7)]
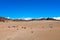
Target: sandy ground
[(30, 30)]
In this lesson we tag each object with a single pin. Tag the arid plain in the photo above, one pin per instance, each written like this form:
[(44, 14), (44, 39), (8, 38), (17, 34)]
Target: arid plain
[(30, 30)]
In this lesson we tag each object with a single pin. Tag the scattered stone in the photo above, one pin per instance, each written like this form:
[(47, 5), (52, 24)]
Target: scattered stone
[(8, 26), (14, 26), (32, 31), (17, 29), (24, 27)]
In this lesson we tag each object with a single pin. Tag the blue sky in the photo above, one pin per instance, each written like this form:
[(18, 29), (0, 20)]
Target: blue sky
[(29, 8)]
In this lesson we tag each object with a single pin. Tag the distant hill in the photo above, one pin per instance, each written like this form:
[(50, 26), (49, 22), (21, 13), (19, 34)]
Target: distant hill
[(34, 19), (3, 19)]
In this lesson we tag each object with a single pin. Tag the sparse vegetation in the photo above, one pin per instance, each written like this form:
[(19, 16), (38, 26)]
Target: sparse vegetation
[(13, 26), (24, 27), (32, 31), (8, 26)]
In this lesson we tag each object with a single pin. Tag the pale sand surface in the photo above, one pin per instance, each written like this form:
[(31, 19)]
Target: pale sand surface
[(30, 30)]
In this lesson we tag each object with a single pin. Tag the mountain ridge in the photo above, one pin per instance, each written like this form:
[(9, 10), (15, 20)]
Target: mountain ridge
[(3, 19)]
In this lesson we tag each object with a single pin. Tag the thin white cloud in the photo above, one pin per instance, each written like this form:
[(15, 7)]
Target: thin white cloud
[(8, 17), (57, 18), (27, 18)]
